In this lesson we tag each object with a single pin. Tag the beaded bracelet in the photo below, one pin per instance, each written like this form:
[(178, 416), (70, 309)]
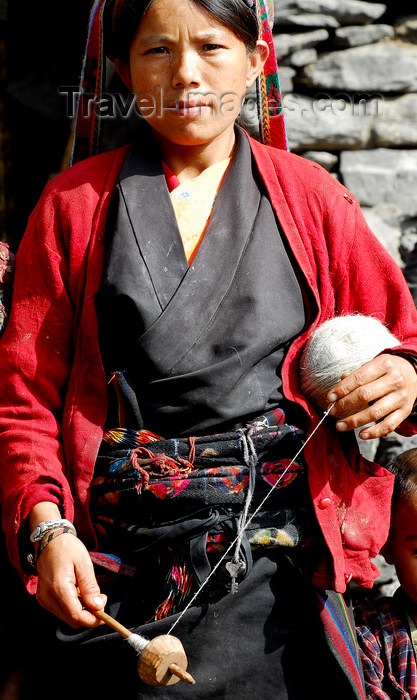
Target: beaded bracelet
[(63, 530)]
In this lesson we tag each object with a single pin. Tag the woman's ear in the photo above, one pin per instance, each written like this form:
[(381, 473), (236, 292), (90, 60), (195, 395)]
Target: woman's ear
[(123, 70), (256, 61)]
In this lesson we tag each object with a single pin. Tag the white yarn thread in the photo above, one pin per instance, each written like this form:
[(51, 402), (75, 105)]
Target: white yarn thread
[(341, 344), (137, 642)]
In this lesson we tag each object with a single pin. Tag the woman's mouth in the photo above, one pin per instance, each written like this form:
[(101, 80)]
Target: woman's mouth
[(189, 108)]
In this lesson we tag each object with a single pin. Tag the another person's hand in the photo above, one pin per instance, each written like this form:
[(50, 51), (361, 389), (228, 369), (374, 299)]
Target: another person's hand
[(382, 391), (67, 582)]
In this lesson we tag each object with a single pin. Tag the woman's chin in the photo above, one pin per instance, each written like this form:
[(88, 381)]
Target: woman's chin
[(191, 131)]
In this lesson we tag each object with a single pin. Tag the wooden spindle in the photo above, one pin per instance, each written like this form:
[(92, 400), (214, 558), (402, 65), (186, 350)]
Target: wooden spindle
[(162, 661)]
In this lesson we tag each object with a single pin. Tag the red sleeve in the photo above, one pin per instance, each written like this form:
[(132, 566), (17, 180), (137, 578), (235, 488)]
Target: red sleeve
[(373, 284), (42, 349), (35, 356)]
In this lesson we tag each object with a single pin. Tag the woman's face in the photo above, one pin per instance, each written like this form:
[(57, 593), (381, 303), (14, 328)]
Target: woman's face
[(189, 73), (401, 548)]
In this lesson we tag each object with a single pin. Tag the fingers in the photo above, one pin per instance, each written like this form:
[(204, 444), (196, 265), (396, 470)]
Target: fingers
[(359, 380), (356, 396), (372, 429), (65, 572), (89, 590), (382, 391)]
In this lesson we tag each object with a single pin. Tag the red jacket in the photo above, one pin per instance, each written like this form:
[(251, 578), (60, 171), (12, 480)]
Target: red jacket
[(53, 388)]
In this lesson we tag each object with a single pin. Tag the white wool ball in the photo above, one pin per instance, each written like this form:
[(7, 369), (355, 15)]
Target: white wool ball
[(341, 344)]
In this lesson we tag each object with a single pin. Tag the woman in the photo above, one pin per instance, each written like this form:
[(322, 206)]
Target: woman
[(194, 314)]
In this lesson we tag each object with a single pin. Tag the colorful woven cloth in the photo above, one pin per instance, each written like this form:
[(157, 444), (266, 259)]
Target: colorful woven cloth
[(270, 109), (181, 499), (143, 480), (88, 132), (339, 629)]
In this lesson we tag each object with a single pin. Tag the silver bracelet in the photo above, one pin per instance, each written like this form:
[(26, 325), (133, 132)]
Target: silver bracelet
[(60, 530), (46, 525)]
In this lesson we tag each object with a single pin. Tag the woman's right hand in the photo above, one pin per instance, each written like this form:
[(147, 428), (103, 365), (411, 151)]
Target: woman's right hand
[(67, 585)]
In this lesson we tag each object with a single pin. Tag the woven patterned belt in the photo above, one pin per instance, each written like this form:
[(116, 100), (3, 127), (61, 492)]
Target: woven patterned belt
[(184, 497)]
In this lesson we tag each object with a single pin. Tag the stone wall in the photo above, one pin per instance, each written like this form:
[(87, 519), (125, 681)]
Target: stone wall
[(348, 71)]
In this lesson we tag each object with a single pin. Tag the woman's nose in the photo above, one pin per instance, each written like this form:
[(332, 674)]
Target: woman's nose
[(185, 72)]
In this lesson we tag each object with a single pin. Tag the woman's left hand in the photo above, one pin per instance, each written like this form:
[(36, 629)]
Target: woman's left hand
[(382, 391)]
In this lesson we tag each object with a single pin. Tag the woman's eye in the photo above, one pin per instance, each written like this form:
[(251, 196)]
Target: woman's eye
[(157, 49), (211, 47)]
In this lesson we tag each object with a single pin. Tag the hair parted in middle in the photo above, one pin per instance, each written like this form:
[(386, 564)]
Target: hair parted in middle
[(122, 18)]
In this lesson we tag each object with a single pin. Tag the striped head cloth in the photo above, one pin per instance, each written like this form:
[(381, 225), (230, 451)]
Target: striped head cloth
[(106, 19)]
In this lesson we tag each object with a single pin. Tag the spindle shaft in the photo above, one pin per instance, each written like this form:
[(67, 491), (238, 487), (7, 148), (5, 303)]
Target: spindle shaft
[(114, 624)]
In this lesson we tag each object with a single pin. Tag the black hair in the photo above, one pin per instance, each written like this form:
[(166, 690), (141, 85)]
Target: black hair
[(121, 20), (404, 467)]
